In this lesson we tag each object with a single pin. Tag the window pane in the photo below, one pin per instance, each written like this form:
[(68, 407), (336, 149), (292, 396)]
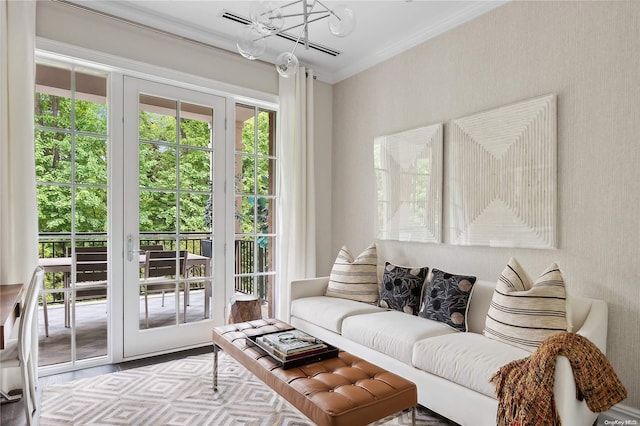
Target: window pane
[(157, 166), (245, 176), (265, 215), (91, 160), (52, 106), (245, 215), (91, 210), (266, 247), (245, 129), (266, 169), (52, 111), (53, 156), (266, 133), (91, 103), (54, 208), (244, 255)]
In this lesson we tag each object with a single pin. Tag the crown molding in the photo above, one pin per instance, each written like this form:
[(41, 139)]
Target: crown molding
[(392, 49)]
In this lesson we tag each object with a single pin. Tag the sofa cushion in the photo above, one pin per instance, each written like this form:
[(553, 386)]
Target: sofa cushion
[(392, 333), (402, 287), (468, 359), (355, 279), (328, 312), (446, 299), (525, 314)]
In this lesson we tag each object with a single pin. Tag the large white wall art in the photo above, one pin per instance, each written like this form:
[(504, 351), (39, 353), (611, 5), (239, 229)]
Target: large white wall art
[(502, 176), (408, 168)]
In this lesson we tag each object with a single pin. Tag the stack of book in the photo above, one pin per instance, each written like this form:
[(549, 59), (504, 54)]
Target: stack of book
[(291, 345)]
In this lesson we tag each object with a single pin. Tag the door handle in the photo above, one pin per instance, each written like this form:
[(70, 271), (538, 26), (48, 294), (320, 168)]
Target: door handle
[(130, 250)]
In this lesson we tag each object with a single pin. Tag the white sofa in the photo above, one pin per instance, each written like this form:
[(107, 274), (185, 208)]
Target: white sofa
[(451, 369)]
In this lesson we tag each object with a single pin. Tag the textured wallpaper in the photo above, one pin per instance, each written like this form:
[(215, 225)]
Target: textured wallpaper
[(588, 54)]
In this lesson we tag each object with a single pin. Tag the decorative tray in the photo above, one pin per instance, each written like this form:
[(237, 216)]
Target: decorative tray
[(316, 351)]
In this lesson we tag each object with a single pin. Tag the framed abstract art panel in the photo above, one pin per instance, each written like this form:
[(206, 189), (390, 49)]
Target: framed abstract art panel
[(502, 176), (408, 169)]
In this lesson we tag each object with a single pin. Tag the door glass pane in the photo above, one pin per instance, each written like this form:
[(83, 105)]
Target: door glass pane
[(175, 193), (157, 119), (91, 160), (194, 166)]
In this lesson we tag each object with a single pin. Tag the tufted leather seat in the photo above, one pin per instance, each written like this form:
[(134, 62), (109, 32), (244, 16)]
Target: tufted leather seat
[(339, 391)]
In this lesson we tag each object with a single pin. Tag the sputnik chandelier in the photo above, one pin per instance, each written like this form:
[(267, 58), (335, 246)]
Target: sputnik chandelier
[(268, 19)]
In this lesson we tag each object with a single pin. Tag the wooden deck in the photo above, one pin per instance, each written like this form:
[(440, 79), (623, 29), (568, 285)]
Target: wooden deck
[(91, 326)]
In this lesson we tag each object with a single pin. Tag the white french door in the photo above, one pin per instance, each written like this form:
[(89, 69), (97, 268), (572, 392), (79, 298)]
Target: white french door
[(174, 210)]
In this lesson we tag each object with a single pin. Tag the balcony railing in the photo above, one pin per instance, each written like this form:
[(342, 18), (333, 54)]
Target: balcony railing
[(58, 244)]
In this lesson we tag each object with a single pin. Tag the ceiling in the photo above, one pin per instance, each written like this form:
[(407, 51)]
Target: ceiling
[(383, 28)]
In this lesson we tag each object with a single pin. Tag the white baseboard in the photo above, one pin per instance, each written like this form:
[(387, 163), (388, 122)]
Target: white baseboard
[(619, 415)]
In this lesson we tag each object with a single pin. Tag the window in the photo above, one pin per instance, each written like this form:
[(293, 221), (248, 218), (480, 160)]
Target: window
[(71, 140), (255, 203)]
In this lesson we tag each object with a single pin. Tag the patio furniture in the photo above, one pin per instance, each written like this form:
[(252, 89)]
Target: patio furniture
[(63, 265), (159, 266), (91, 279), (18, 351)]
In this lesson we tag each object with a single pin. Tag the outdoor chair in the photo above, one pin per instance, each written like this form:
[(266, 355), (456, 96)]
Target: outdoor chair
[(161, 266), (18, 352), (79, 249), (91, 278)]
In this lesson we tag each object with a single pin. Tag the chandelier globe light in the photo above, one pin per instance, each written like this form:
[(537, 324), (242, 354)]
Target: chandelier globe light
[(268, 19)]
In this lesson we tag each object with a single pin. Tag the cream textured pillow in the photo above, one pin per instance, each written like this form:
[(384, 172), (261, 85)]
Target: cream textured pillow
[(524, 314), (355, 279)]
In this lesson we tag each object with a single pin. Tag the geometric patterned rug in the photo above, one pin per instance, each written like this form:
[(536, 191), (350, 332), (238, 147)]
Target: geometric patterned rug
[(180, 392)]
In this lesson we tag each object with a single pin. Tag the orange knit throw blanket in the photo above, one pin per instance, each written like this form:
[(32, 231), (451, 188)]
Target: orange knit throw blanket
[(525, 387)]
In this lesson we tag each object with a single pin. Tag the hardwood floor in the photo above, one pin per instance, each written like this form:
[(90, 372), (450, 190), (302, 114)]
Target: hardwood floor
[(12, 414)]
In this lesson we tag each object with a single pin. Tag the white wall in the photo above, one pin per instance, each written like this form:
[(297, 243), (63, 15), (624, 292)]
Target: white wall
[(588, 53)]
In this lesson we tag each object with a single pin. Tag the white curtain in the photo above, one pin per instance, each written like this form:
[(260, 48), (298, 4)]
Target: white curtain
[(18, 205), (296, 221)]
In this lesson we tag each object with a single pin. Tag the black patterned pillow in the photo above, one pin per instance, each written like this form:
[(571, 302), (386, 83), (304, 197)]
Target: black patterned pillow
[(446, 299), (402, 288)]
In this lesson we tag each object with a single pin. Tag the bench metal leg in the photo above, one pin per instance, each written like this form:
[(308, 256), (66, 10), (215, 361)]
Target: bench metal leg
[(413, 416), (215, 367)]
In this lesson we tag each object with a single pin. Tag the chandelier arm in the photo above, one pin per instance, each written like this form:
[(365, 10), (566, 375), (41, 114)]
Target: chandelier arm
[(331, 12), (306, 14), (290, 4)]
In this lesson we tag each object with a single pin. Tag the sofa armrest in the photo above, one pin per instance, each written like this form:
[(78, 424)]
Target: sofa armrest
[(571, 410), (595, 325), (309, 287)]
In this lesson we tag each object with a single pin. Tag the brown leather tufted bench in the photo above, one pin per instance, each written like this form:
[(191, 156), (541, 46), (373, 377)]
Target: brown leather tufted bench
[(339, 391)]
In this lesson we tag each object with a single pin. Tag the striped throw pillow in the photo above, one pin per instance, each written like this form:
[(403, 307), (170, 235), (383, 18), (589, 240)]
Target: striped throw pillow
[(523, 314), (355, 279)]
